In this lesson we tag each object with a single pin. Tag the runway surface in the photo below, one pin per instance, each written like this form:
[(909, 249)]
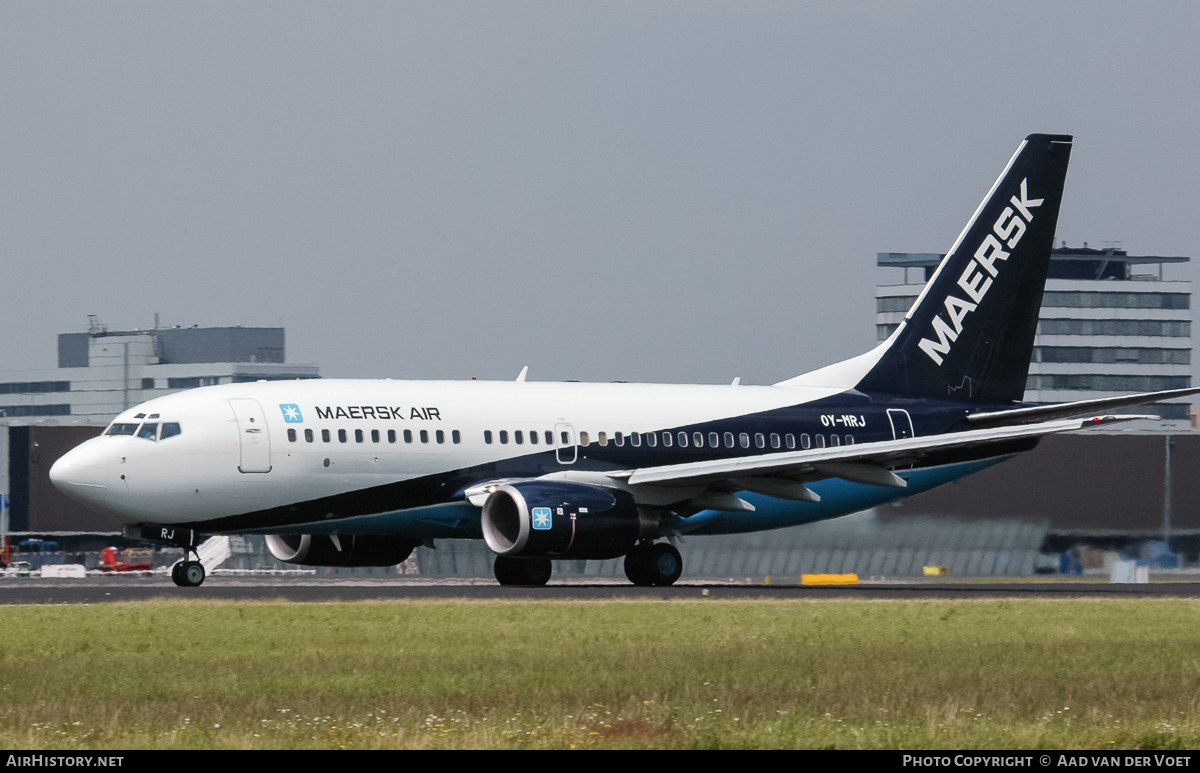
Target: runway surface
[(127, 589)]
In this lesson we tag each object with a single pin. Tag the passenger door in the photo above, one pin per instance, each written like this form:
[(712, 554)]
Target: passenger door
[(564, 444), (253, 436)]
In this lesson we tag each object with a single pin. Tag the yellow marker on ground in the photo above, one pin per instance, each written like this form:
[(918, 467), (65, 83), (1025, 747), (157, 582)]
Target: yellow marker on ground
[(829, 579), (934, 570)]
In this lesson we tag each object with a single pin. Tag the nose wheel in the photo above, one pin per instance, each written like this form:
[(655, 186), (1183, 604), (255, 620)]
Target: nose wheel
[(188, 574)]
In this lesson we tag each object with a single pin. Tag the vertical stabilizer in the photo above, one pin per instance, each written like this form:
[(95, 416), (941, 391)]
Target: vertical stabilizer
[(969, 336)]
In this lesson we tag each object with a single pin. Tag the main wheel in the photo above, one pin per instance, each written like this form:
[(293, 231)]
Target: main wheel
[(635, 565), (193, 574), (522, 571), (177, 573), (664, 564)]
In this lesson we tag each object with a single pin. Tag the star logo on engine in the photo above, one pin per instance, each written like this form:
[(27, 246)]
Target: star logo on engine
[(541, 518)]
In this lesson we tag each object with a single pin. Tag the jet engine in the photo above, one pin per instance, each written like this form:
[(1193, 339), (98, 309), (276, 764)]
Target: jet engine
[(344, 550), (548, 519)]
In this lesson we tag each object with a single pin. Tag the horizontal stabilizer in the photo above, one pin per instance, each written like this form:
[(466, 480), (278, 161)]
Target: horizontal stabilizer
[(1038, 413)]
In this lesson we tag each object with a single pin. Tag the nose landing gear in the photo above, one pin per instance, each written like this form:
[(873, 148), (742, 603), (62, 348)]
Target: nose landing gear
[(188, 574)]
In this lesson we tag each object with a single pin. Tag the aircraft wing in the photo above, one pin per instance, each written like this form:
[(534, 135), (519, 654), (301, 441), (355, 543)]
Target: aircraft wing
[(780, 474), (1038, 413)]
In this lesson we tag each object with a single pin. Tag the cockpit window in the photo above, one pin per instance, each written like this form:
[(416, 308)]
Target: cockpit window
[(149, 431), (122, 429), (171, 429)]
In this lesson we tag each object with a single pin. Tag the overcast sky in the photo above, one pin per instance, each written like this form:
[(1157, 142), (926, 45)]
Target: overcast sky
[(644, 191)]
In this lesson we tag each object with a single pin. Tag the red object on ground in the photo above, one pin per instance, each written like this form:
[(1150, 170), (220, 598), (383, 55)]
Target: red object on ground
[(115, 560)]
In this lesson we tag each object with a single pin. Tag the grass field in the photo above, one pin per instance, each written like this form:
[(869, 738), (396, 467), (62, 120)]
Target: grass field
[(796, 674)]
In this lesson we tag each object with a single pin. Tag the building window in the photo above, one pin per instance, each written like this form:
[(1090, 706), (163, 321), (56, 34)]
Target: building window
[(147, 383), (1114, 327), (889, 304), (1087, 382), (1086, 300)]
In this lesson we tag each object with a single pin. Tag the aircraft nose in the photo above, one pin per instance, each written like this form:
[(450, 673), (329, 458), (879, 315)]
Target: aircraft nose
[(82, 473)]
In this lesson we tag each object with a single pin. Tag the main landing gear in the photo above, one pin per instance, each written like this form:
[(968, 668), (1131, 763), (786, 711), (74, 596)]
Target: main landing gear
[(522, 571), (188, 574), (653, 564)]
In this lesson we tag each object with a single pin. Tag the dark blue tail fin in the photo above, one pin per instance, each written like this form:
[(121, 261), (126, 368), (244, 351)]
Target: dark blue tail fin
[(969, 335)]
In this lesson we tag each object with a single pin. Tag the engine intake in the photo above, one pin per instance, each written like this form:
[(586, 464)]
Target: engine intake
[(545, 519), (354, 550)]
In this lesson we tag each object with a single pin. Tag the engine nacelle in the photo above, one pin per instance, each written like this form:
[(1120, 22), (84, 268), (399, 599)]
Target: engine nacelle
[(355, 549), (548, 519)]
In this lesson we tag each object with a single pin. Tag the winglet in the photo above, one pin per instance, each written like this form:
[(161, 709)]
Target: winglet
[(524, 372)]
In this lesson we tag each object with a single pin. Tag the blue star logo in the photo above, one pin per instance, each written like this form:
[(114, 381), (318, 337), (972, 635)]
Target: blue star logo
[(541, 518), (291, 413)]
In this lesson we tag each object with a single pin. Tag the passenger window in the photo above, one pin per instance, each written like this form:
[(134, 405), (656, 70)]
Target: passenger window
[(424, 436), (566, 438), (408, 436), (789, 440), (805, 441), (122, 429), (774, 440), (504, 437), (291, 435), (759, 440), (820, 441), (391, 436), (849, 440), (602, 438), (651, 439), (729, 440), (682, 440), (325, 435), (440, 435), (341, 436), (148, 431), (835, 441), (583, 439), (308, 433), (635, 439), (171, 429), (698, 439), (456, 437), (666, 440), (487, 436), (533, 437), (358, 436), (374, 436), (549, 438), (619, 439), (519, 437)]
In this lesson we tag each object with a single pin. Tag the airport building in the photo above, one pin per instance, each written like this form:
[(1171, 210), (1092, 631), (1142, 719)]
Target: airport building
[(1110, 324)]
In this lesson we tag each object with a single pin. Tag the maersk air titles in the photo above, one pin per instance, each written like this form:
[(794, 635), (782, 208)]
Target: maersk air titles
[(357, 473)]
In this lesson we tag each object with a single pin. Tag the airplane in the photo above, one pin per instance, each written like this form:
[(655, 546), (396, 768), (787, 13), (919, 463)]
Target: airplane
[(359, 472)]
